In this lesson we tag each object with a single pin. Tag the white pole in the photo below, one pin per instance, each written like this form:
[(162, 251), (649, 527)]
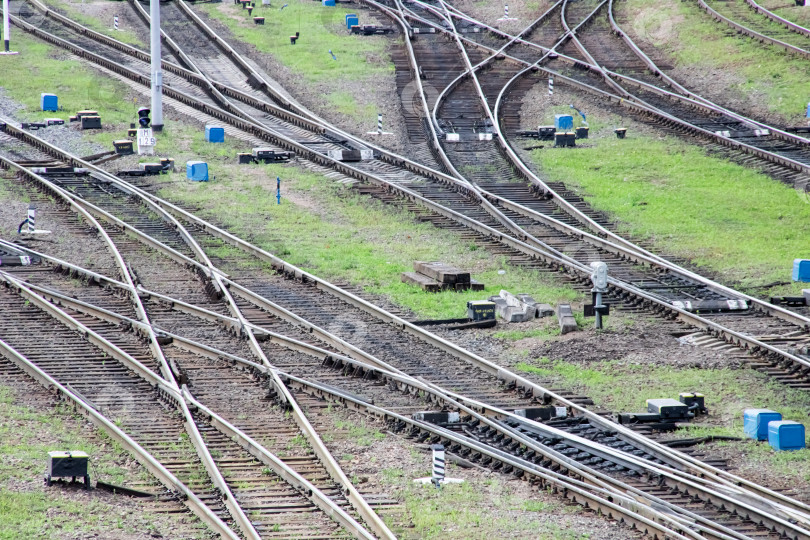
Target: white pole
[(5, 26), (157, 73)]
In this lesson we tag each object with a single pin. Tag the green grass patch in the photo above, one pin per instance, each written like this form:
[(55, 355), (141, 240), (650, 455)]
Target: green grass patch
[(78, 87), (622, 387), (735, 221), (332, 231), (788, 10), (517, 335), (321, 29), (686, 32), (104, 27), (455, 511)]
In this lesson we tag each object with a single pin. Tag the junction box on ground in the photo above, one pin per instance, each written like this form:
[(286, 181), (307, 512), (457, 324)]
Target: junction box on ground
[(49, 102), (755, 422), (801, 270), (197, 171), (68, 464), (668, 408), (214, 134), (786, 435)]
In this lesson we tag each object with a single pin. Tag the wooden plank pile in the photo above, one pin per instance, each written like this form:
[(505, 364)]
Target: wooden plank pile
[(438, 276)]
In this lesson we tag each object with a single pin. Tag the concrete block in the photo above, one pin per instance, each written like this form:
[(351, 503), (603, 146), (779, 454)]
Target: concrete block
[(566, 318), (516, 310), (806, 294), (543, 310)]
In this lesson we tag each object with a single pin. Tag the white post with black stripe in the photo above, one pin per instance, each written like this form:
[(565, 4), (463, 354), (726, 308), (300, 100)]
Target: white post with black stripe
[(438, 476), (379, 127), (6, 40), (115, 22), (506, 16), (31, 221), (551, 86)]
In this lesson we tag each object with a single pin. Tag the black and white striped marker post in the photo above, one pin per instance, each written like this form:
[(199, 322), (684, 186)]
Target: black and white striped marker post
[(379, 128), (438, 464), (438, 478), (506, 16), (31, 221), (32, 216), (115, 22), (551, 86)]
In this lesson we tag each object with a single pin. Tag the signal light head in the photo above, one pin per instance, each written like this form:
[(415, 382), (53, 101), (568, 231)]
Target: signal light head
[(143, 117)]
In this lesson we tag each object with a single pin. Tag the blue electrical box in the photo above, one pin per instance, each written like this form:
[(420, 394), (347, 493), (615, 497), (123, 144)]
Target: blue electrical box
[(49, 102), (197, 171), (786, 435), (214, 134), (755, 422), (329, 3), (801, 270), (563, 122), (352, 20)]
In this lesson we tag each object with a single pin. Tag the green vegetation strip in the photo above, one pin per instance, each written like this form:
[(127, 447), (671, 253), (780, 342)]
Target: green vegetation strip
[(742, 65), (27, 508), (77, 86), (624, 387), (330, 230), (95, 22), (321, 29), (739, 223)]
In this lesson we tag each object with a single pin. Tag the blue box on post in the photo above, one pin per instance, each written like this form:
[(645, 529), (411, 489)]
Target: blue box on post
[(352, 20), (755, 422), (197, 171), (214, 134), (801, 270), (329, 3), (786, 435), (563, 122), (49, 102)]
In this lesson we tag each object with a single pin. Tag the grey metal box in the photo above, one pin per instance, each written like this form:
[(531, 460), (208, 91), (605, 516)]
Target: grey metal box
[(667, 408)]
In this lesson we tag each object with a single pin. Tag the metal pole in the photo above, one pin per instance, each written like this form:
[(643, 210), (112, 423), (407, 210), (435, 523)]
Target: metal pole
[(5, 25), (598, 304), (157, 73)]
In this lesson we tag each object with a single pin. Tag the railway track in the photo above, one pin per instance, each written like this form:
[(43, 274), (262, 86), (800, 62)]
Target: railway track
[(651, 485)]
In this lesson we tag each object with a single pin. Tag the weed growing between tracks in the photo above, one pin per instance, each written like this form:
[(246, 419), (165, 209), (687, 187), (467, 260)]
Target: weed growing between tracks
[(738, 65), (336, 233), (732, 220)]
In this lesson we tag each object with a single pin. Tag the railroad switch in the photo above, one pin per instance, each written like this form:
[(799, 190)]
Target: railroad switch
[(68, 464)]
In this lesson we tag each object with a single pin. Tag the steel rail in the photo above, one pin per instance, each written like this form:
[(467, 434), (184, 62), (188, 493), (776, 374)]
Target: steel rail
[(790, 25), (40, 295), (471, 407), (206, 267), (163, 475), (286, 472), (401, 379), (166, 387), (769, 308), (641, 254), (752, 33), (496, 370), (600, 479)]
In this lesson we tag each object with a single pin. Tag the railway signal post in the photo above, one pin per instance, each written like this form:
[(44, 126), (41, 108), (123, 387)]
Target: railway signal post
[(157, 72)]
